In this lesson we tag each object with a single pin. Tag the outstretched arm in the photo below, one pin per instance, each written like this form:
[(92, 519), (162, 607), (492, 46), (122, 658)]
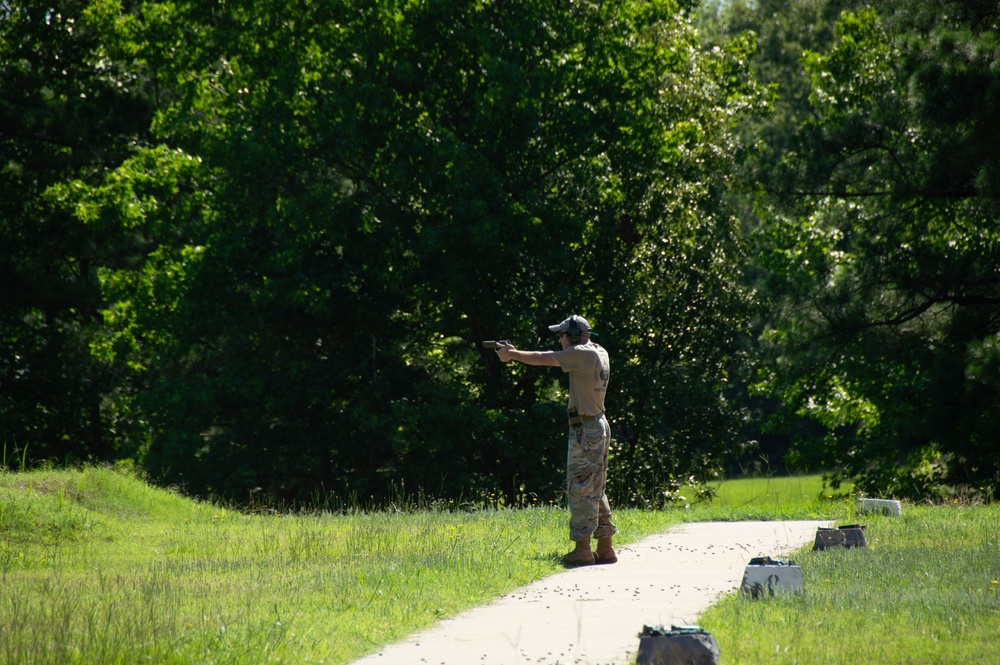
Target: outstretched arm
[(507, 352)]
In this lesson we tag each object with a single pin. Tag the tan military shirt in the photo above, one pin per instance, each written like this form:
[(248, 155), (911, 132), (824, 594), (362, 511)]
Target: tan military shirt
[(589, 370)]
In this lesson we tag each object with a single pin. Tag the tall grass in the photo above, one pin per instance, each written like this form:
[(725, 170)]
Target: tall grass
[(98, 567), (774, 497), (925, 590)]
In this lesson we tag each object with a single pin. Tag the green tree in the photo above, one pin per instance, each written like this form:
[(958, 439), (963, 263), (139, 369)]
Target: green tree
[(784, 31), (66, 113), (341, 199), (883, 253)]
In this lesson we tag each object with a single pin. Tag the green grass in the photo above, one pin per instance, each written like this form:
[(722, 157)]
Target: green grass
[(97, 566), (925, 590), (773, 497)]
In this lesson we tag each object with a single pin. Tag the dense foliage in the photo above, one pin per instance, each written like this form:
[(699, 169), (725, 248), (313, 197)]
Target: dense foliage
[(63, 118), (286, 256), (879, 249), (253, 245)]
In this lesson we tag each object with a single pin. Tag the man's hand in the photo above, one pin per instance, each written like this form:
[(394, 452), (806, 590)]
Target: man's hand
[(504, 350), (507, 352)]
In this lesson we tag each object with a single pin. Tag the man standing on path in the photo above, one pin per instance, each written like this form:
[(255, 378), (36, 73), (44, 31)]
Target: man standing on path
[(589, 435)]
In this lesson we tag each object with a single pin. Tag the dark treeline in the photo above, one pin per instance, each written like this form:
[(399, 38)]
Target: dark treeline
[(253, 245)]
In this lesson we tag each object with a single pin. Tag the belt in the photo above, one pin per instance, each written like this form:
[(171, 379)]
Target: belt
[(583, 418)]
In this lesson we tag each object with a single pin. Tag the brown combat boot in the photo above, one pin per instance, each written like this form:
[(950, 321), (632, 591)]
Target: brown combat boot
[(581, 556), (605, 552)]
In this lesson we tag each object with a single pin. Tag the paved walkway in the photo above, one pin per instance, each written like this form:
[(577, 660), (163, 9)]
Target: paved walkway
[(593, 615)]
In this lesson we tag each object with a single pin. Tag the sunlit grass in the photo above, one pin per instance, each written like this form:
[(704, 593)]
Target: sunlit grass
[(926, 590), (805, 497), (96, 566)]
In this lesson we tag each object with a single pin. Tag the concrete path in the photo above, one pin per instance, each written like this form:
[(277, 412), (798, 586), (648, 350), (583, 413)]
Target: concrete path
[(593, 615)]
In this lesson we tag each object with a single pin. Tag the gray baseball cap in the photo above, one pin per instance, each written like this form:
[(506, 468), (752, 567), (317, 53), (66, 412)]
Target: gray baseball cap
[(580, 322)]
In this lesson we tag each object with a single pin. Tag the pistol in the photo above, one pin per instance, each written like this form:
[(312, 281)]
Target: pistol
[(491, 344)]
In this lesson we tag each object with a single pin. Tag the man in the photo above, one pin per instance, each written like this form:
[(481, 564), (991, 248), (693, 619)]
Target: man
[(589, 436)]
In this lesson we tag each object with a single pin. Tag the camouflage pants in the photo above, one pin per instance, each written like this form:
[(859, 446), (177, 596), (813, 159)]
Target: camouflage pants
[(586, 476)]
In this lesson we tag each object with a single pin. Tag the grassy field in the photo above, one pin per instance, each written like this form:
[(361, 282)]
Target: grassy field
[(774, 498), (98, 567), (925, 590)]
